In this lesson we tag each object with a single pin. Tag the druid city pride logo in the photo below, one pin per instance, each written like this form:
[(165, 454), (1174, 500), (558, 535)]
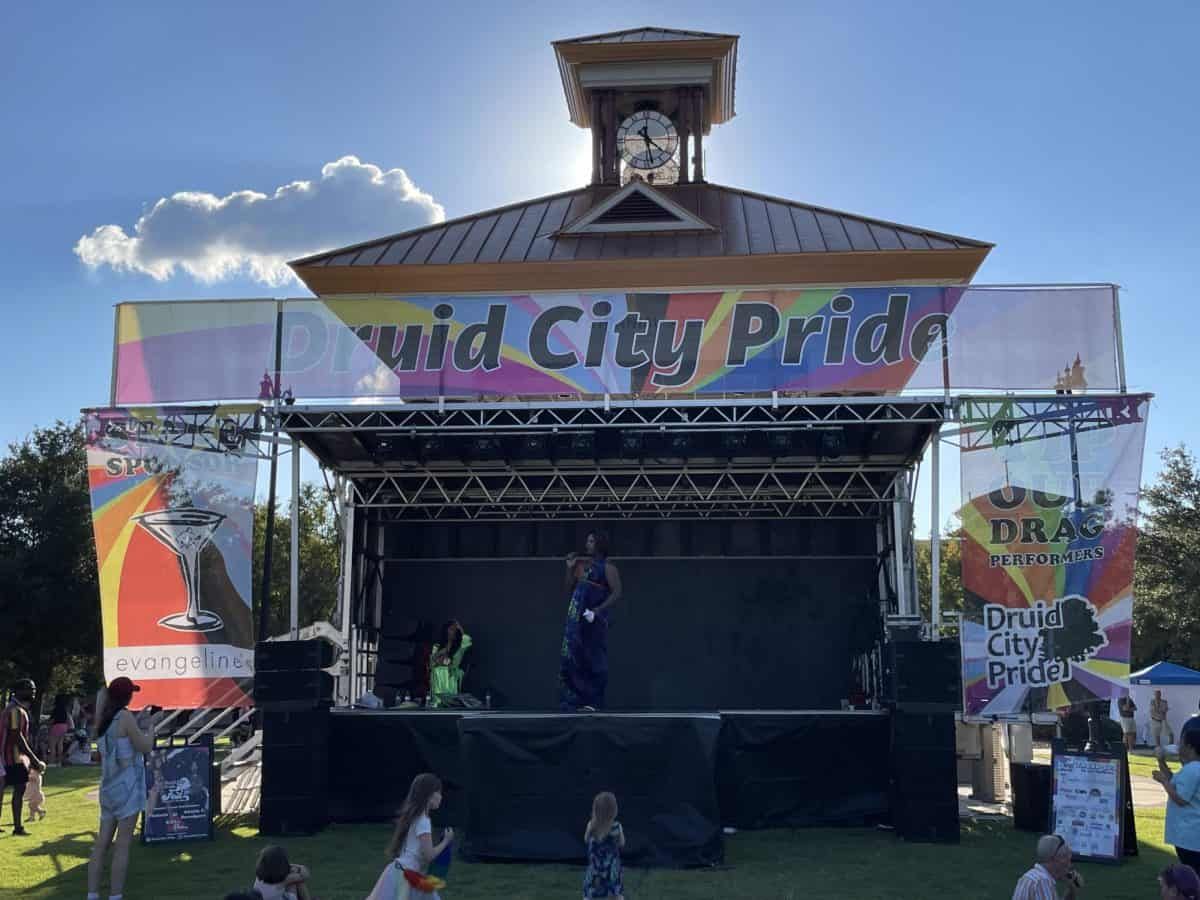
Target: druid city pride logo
[(1036, 646)]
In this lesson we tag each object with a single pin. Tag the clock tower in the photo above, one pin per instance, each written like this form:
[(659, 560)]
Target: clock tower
[(649, 96)]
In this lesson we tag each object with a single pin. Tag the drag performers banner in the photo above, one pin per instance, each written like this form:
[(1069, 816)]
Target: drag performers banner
[(876, 340), (173, 512), (1050, 490)]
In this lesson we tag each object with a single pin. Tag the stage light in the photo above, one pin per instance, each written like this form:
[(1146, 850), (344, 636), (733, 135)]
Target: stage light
[(583, 445), (633, 443), (487, 448), (833, 443), (430, 447), (780, 443), (533, 446), (680, 444), (734, 442)]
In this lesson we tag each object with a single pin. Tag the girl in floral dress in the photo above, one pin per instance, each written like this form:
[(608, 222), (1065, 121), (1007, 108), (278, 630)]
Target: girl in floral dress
[(604, 838)]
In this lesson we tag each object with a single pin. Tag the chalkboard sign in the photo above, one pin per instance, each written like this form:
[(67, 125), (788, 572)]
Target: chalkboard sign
[(1088, 802), (179, 792)]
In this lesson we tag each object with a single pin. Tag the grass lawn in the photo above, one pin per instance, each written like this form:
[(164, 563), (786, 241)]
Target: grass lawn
[(345, 861)]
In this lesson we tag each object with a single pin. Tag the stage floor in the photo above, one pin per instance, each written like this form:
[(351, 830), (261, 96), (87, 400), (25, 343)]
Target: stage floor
[(520, 783)]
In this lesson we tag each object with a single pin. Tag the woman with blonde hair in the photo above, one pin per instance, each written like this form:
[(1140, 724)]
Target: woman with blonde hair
[(604, 837), (411, 848)]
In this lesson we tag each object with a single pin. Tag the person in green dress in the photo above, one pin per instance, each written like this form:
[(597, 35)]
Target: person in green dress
[(445, 662)]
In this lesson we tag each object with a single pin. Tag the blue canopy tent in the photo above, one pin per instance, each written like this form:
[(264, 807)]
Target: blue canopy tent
[(1180, 687)]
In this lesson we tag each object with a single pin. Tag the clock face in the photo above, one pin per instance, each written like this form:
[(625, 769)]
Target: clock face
[(647, 140)]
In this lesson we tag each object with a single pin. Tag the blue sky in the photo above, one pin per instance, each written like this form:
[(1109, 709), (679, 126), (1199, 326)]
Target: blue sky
[(1065, 133)]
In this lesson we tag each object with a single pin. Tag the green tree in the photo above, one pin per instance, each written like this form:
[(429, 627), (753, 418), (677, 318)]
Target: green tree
[(48, 579), (950, 566), (319, 559), (1166, 590)]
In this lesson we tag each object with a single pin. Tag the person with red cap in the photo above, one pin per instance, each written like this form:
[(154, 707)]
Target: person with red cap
[(122, 784)]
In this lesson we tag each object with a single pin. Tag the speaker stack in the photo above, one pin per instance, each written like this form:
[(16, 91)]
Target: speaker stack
[(293, 695), (925, 694)]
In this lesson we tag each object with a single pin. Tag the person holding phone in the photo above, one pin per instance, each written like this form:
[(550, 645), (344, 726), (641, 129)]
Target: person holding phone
[(123, 745), (595, 586), (1183, 798)]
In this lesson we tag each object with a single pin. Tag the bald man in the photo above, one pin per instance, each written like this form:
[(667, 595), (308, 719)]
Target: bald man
[(1053, 865)]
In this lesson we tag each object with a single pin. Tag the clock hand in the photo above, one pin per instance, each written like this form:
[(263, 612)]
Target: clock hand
[(655, 144)]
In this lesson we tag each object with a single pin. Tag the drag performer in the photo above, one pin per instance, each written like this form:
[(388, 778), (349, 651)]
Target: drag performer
[(595, 586)]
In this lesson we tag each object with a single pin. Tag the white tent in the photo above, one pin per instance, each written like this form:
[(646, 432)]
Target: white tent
[(1180, 687)]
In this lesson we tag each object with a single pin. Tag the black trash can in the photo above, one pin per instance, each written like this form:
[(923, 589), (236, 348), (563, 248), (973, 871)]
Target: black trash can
[(1031, 788)]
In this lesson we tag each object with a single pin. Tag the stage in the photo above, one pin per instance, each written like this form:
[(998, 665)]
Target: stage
[(519, 785), (763, 544)]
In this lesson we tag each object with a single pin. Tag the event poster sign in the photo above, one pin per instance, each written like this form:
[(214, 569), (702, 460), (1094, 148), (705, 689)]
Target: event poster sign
[(173, 510), (1049, 530), (1088, 805), (877, 340), (178, 793)]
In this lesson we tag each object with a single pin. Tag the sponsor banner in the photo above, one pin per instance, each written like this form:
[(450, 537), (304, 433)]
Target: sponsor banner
[(173, 511), (1049, 529), (876, 340), (179, 787)]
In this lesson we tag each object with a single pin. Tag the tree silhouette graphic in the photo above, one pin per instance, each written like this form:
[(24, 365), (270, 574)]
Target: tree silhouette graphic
[(1078, 639)]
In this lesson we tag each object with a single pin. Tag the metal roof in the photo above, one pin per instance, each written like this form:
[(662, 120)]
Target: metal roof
[(648, 34), (745, 223)]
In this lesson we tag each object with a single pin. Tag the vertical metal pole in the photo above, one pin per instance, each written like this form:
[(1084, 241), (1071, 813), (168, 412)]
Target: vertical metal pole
[(935, 536), (1120, 338), (112, 392), (294, 575), (348, 587), (264, 609), (903, 601)]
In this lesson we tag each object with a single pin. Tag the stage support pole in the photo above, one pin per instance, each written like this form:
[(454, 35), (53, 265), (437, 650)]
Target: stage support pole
[(897, 562), (264, 606), (294, 575), (348, 586), (935, 538)]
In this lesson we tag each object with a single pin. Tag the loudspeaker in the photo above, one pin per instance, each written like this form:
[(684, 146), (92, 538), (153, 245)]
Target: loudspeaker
[(1032, 786), (279, 656), (284, 690), (292, 815), (926, 675), (295, 770), (924, 777), (295, 728)]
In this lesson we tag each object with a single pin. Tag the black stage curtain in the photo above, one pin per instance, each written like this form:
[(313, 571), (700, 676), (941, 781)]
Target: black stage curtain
[(690, 633), (530, 783), (806, 769), (375, 756)]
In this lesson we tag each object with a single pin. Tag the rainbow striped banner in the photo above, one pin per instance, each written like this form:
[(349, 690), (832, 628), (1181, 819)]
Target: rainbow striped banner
[(1049, 532), (173, 511), (837, 340)]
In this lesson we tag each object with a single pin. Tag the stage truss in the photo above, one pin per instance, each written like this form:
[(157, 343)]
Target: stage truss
[(396, 484), (995, 421)]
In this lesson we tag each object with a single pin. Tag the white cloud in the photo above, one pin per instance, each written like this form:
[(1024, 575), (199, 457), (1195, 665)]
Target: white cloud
[(250, 233)]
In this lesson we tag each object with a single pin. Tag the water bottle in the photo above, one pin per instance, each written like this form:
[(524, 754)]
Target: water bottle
[(487, 700), (429, 699)]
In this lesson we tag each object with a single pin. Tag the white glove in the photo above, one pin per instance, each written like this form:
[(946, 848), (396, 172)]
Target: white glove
[(589, 615)]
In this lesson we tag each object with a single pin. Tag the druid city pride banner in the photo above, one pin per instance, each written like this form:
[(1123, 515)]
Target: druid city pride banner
[(1050, 492), (876, 340), (173, 510)]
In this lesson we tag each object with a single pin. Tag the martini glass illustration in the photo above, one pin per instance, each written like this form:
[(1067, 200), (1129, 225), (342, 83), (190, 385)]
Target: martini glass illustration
[(185, 532)]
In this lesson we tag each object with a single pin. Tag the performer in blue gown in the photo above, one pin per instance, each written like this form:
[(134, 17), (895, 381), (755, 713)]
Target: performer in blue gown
[(595, 586)]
